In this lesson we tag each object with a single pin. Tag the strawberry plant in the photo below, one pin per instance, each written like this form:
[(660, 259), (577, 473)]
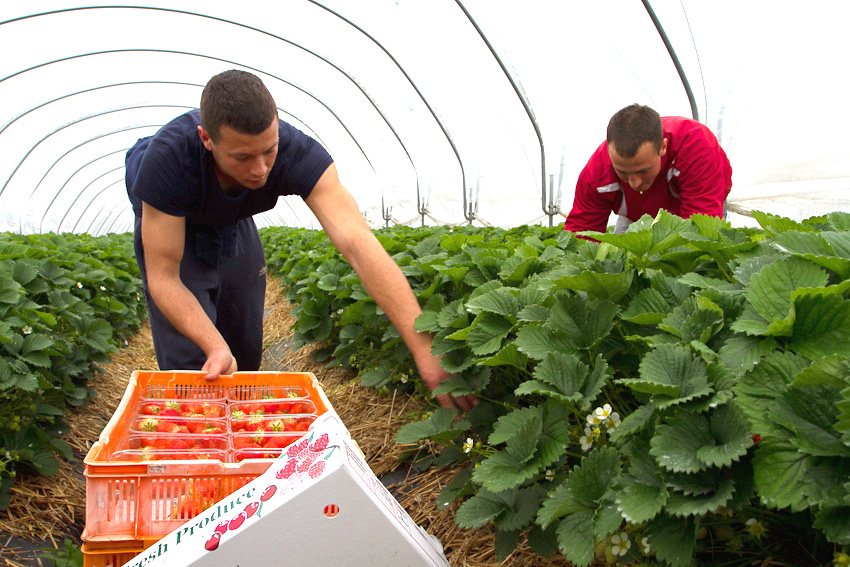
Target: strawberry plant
[(66, 303), (683, 385)]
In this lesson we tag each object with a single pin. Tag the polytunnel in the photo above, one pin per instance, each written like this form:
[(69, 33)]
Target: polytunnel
[(441, 112), (504, 393)]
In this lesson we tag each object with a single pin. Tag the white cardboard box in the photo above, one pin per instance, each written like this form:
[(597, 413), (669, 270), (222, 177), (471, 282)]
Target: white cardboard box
[(318, 504)]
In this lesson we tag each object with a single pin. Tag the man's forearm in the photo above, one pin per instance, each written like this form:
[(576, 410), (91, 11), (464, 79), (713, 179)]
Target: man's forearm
[(387, 285), (182, 310)]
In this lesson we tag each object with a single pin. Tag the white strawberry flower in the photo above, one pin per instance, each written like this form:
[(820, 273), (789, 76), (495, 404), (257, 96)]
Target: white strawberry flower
[(621, 542), (102, 288), (403, 379), (79, 285), (613, 421), (467, 447), (550, 475), (593, 419), (26, 330), (586, 441), (603, 412), (644, 542)]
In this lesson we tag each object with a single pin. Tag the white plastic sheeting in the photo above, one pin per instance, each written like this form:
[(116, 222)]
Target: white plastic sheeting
[(425, 105)]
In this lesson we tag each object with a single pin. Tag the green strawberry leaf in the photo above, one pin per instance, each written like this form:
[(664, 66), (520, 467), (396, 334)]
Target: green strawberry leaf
[(676, 443), (478, 511), (536, 341), (730, 437), (816, 248), (672, 539), (778, 470), (501, 301), (566, 377), (575, 538), (833, 370), (822, 327), (648, 307), (697, 319), (558, 504), (673, 374), (639, 503), (810, 414), (590, 479), (740, 353), (684, 506)]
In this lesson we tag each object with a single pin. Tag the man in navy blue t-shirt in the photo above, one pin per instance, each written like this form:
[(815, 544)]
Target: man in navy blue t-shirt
[(194, 187)]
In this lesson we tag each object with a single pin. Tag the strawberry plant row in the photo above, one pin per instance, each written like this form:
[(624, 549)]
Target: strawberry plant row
[(66, 303), (661, 396)]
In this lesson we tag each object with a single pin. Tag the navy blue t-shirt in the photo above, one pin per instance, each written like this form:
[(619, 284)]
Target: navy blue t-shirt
[(176, 175)]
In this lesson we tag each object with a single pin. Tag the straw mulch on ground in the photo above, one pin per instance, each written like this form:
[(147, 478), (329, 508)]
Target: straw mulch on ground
[(53, 508)]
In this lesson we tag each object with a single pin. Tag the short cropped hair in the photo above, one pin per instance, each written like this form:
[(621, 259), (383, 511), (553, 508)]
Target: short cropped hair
[(239, 100), (632, 127)]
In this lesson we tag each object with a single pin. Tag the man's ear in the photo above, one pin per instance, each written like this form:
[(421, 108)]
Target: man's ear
[(207, 141), (660, 153)]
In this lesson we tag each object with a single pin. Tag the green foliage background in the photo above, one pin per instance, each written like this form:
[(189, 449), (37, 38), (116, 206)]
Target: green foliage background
[(724, 351), (66, 303)]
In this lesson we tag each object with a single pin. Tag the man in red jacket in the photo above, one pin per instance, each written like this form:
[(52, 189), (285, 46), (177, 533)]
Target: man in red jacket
[(650, 163)]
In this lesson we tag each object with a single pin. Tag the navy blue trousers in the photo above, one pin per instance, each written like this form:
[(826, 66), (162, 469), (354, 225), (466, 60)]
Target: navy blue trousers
[(232, 295)]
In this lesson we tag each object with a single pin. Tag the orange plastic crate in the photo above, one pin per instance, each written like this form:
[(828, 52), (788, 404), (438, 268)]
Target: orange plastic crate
[(111, 554), (132, 502)]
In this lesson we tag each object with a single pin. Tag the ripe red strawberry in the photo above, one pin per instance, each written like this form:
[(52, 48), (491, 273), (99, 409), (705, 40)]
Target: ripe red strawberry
[(172, 406), (302, 425), (320, 444), (253, 407), (192, 406), (152, 408), (195, 425), (317, 469), (255, 423), (278, 441), (288, 469), (270, 406), (243, 442), (212, 409), (148, 424), (167, 426), (212, 429), (177, 444)]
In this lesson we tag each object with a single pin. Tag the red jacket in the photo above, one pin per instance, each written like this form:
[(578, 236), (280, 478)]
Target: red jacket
[(695, 177)]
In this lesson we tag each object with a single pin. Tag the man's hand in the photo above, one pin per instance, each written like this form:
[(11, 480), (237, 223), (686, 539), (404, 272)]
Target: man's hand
[(433, 375), (218, 363)]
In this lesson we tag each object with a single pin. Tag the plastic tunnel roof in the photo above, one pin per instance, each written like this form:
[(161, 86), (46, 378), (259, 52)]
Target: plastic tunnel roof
[(436, 112)]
